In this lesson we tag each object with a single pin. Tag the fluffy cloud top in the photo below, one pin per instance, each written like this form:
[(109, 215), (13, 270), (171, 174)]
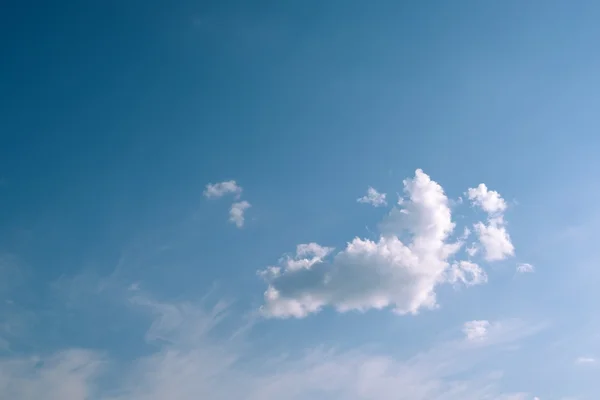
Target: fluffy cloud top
[(236, 212), (389, 272), (373, 197), (490, 201), (306, 256), (216, 190), (494, 239)]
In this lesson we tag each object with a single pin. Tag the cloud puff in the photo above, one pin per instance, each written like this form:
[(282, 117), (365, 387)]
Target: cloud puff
[(217, 190), (377, 274), (493, 236), (476, 330), (238, 208), (490, 201), (524, 268), (236, 213), (374, 198), (495, 239)]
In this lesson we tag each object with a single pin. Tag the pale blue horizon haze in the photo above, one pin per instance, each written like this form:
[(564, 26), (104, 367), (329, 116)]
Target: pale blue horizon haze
[(300, 200)]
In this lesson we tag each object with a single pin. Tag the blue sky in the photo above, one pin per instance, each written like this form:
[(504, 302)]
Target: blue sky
[(192, 200)]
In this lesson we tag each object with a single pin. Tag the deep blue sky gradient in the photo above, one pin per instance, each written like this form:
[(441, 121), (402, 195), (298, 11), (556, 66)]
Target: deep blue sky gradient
[(115, 114)]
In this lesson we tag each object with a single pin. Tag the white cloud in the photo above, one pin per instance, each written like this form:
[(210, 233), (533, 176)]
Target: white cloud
[(236, 213), (493, 236), (216, 190), (495, 239), (490, 201), (468, 273), (524, 268), (238, 208), (585, 360), (476, 330), (374, 198), (376, 274)]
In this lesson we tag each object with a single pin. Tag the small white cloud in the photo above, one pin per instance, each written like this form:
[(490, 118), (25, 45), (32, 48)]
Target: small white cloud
[(236, 213), (476, 330), (524, 268), (489, 200), (374, 198), (495, 239), (585, 360), (493, 236), (468, 273), (216, 190)]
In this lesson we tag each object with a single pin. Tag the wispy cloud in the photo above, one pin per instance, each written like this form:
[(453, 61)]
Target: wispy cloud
[(525, 268), (585, 360), (194, 357), (66, 375)]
